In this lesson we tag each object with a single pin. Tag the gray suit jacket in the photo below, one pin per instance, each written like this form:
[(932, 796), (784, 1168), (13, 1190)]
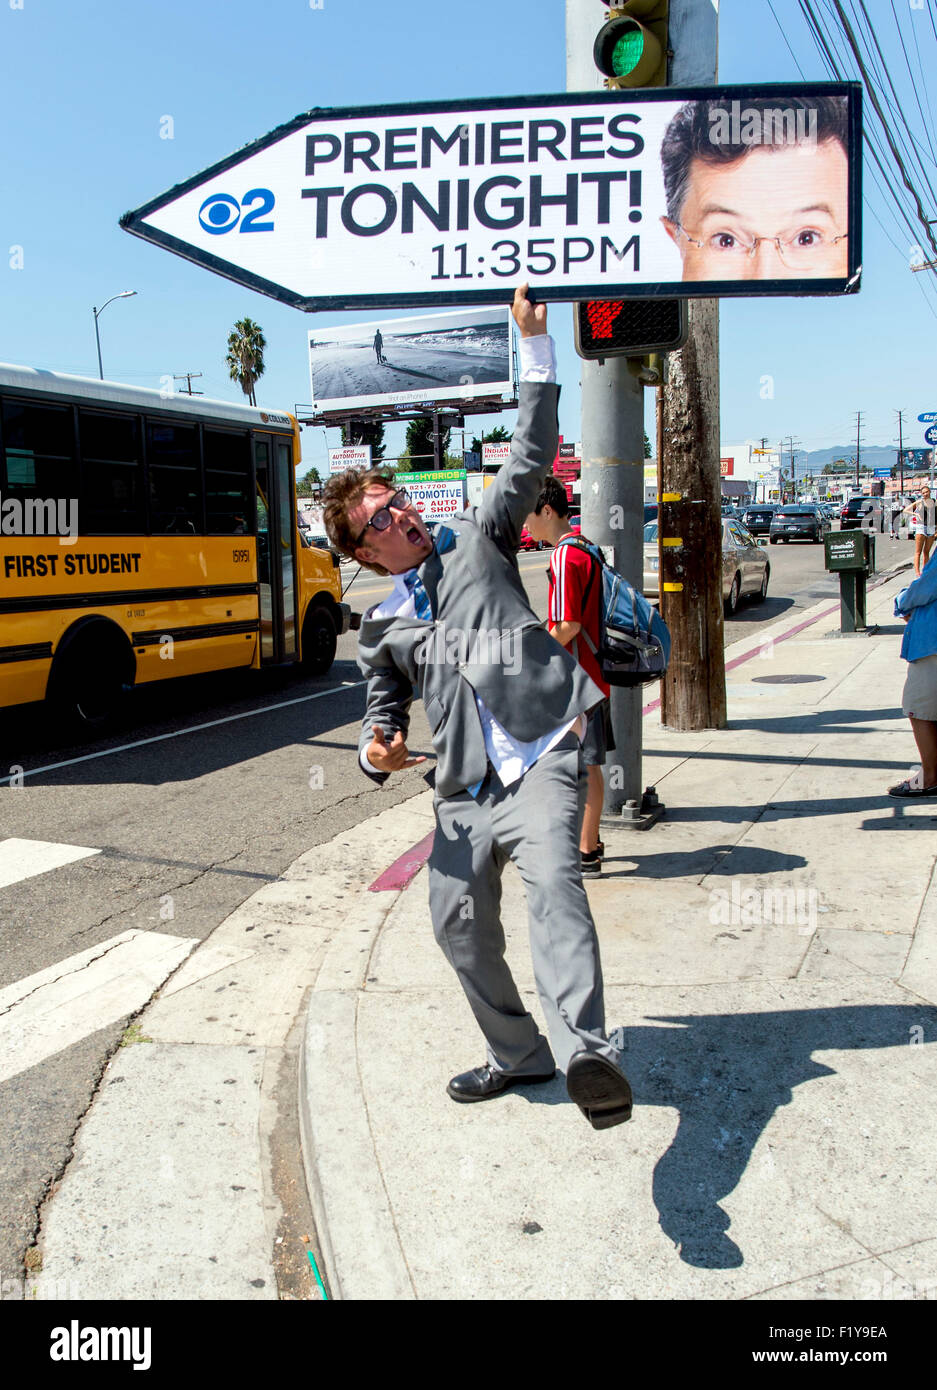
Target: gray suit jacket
[(484, 638)]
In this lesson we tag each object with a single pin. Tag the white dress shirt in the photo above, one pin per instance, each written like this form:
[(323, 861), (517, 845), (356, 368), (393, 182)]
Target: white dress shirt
[(509, 757)]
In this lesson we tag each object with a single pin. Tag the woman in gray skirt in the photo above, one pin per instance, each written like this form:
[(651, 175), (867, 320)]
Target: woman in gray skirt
[(917, 604)]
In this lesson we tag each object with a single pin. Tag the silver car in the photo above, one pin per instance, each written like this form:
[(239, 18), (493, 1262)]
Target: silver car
[(745, 567)]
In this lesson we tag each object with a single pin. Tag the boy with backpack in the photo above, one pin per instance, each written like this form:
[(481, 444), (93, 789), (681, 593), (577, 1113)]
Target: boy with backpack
[(575, 607)]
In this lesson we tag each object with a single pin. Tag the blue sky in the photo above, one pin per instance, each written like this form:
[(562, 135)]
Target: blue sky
[(84, 88)]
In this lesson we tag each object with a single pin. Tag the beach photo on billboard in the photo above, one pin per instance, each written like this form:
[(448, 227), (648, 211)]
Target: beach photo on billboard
[(440, 357)]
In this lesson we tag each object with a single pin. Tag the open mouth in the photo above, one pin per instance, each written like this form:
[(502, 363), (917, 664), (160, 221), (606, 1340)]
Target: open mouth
[(414, 537)]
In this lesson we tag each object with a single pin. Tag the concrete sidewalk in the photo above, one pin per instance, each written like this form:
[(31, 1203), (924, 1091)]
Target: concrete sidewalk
[(778, 927), (775, 928)]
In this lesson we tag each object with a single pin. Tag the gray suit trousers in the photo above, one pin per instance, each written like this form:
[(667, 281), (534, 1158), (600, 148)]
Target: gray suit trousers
[(536, 824)]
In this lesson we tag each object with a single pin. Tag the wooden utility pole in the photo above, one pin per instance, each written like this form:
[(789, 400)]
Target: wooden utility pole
[(900, 414), (693, 691)]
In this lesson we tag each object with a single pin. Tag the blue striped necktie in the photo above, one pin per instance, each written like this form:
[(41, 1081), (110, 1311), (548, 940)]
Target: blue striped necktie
[(420, 597), (445, 540)]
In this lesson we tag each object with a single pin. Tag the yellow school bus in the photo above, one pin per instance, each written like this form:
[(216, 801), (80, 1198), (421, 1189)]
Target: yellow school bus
[(146, 536)]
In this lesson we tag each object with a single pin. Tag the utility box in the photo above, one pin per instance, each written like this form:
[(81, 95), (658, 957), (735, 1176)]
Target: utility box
[(850, 550), (852, 555)]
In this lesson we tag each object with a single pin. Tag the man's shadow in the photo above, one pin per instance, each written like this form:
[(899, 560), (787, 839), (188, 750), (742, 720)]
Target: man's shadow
[(726, 1074)]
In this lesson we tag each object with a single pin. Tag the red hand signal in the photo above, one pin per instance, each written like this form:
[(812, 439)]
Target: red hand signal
[(601, 314)]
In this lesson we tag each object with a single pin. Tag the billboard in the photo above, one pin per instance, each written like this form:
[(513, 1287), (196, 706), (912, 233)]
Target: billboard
[(448, 357), (436, 496), (750, 190), (350, 456)]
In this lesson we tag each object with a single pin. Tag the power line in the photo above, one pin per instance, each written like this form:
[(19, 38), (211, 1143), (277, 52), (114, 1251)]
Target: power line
[(914, 89), (888, 135)]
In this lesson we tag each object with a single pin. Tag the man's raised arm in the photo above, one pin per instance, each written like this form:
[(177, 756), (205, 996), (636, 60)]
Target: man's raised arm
[(514, 492)]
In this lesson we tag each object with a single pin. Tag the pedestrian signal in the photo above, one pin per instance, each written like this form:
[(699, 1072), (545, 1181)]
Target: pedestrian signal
[(629, 327)]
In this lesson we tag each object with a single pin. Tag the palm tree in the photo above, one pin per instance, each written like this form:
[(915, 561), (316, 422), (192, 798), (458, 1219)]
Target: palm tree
[(245, 359)]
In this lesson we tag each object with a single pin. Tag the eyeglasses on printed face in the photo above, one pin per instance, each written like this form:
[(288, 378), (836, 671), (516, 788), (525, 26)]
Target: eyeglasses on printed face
[(382, 517), (807, 247)]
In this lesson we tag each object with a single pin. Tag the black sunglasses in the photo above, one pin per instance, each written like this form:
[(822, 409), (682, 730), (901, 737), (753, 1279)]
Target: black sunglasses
[(382, 517)]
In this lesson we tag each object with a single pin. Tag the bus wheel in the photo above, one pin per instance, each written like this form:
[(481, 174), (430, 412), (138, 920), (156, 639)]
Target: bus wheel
[(319, 639), (91, 676)]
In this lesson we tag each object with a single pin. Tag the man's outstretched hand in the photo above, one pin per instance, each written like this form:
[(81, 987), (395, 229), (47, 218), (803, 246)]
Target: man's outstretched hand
[(531, 319), (389, 757)]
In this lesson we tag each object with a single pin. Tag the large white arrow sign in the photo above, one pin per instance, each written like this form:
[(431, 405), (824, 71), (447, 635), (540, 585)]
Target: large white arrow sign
[(586, 195)]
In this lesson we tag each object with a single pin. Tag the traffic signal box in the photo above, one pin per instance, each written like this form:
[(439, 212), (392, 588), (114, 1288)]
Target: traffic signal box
[(629, 327), (630, 50)]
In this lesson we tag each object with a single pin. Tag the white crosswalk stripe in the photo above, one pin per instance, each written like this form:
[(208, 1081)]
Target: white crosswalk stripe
[(21, 859), (56, 1007)]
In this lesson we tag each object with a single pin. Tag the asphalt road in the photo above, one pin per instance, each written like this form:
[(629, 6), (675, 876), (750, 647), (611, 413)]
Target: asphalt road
[(208, 789)]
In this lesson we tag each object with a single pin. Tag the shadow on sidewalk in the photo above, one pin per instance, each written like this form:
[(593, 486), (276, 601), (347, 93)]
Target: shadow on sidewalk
[(726, 1074), (746, 859), (826, 721), (803, 810)]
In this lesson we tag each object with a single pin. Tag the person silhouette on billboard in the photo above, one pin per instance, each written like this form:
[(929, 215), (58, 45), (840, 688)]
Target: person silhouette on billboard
[(379, 347)]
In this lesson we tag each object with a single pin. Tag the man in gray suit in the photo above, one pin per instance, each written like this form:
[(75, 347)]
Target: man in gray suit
[(506, 705)]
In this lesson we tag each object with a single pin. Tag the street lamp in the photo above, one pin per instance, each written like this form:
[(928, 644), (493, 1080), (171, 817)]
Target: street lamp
[(124, 294)]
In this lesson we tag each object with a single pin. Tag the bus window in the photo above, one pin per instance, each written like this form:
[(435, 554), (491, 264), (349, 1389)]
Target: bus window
[(112, 482), (267, 636), (175, 479), (228, 509), (287, 525), (40, 451)]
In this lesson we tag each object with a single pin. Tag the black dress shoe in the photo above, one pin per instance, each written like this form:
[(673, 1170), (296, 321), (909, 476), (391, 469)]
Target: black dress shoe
[(599, 1089), (482, 1083)]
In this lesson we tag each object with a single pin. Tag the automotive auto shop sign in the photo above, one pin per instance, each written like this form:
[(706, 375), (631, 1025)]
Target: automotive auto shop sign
[(586, 195), (436, 496)]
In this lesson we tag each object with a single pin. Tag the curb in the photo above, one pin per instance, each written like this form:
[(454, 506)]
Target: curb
[(357, 1235)]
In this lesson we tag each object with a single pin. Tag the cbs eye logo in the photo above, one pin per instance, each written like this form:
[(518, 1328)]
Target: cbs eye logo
[(221, 213)]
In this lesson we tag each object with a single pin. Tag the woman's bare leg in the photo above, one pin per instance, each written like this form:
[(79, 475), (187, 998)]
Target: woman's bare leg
[(925, 736)]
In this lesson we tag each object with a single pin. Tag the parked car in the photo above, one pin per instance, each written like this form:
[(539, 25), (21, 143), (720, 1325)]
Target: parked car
[(757, 518), (650, 512), (745, 567), (800, 521), (575, 524), (862, 513)]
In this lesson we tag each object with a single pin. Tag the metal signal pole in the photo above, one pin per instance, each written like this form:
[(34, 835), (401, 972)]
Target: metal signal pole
[(612, 454)]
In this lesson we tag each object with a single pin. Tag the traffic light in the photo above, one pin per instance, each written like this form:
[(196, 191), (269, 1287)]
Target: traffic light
[(628, 327), (631, 47), (630, 50)]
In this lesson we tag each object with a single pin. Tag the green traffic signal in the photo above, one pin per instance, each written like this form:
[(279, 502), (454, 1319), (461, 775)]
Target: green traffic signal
[(629, 53)]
